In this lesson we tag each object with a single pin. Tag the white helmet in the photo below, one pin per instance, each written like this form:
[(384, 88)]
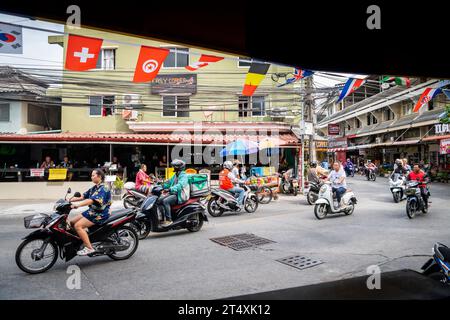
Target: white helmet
[(228, 165)]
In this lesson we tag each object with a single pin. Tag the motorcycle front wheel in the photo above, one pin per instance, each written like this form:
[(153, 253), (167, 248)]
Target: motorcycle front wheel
[(411, 208), (26, 258), (251, 204), (295, 191), (213, 208), (311, 197), (126, 233), (321, 210), (396, 196), (143, 229)]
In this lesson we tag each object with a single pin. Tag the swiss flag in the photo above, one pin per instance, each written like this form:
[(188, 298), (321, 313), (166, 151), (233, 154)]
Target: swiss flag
[(149, 62), (82, 52)]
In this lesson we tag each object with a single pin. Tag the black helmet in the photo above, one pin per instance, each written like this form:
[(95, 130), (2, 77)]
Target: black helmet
[(178, 165), (313, 164)]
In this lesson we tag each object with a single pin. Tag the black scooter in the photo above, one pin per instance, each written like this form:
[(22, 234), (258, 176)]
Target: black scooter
[(40, 249), (189, 215)]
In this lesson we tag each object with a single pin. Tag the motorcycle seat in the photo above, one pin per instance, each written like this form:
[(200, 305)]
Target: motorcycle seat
[(115, 215), (137, 191), (445, 252), (179, 206)]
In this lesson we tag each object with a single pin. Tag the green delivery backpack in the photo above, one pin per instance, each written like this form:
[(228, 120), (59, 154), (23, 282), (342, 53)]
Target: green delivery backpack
[(199, 184)]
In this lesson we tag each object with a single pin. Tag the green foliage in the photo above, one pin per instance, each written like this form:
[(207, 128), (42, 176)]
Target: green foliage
[(118, 184), (446, 118)]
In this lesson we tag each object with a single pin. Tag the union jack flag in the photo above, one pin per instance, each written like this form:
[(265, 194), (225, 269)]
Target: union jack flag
[(298, 75)]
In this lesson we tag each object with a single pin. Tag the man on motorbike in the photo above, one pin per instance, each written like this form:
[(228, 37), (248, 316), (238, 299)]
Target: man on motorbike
[(98, 198), (370, 166), (176, 190), (420, 176), (227, 181), (349, 167), (338, 183)]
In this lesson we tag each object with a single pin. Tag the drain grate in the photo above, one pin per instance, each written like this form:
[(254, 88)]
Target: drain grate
[(300, 262), (241, 241)]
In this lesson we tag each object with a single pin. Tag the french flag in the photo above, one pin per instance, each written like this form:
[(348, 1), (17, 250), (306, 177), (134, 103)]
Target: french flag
[(427, 96), (350, 86)]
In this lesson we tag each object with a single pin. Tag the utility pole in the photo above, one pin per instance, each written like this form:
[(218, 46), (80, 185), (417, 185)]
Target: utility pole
[(311, 116)]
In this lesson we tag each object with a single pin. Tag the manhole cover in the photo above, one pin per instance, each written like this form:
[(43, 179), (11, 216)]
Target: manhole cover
[(300, 262), (241, 241)]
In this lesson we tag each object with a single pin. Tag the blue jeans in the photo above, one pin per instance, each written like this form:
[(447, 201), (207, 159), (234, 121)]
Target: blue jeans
[(241, 193), (167, 201), (339, 192)]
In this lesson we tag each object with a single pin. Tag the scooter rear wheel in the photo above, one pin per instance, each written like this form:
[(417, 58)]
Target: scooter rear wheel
[(321, 210), (122, 232), (197, 225)]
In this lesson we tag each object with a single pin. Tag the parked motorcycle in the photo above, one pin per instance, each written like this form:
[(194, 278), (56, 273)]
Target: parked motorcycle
[(414, 200), (41, 248), (327, 204), (312, 192), (397, 186), (438, 267), (263, 193), (289, 185), (189, 215), (132, 198), (224, 201)]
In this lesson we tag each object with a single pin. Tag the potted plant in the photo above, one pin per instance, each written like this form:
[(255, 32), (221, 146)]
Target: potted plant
[(118, 186)]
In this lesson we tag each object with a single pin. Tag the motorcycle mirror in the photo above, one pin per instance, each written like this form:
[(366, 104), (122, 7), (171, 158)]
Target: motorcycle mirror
[(69, 191)]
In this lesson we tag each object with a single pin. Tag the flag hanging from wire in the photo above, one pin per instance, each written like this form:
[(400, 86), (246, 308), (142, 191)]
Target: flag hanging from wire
[(427, 95), (149, 62), (298, 75), (350, 86), (255, 75), (82, 52), (400, 81), (203, 61), (10, 39)]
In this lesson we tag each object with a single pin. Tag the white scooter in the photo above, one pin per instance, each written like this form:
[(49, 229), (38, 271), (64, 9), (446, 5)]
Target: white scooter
[(397, 184), (327, 204)]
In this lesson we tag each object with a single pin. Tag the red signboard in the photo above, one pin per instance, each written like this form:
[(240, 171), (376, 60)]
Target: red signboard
[(333, 129)]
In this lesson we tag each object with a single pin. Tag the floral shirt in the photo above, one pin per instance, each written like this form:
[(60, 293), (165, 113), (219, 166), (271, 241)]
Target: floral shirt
[(102, 201)]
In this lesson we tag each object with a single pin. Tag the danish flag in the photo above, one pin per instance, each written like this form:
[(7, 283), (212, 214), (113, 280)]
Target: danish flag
[(82, 52), (203, 62)]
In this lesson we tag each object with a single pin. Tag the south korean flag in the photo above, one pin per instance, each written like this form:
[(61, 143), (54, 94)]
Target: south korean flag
[(10, 39)]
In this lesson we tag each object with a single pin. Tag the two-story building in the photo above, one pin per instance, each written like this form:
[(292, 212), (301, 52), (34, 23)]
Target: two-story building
[(383, 127)]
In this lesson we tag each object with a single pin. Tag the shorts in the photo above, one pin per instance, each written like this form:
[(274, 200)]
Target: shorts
[(96, 217)]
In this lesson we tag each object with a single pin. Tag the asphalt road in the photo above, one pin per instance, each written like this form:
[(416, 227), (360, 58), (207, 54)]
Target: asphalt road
[(184, 265)]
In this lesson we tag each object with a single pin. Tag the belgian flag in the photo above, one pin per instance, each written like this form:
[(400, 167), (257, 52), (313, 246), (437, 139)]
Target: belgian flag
[(255, 75)]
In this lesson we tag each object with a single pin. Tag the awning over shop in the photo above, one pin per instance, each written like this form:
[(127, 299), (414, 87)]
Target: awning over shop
[(447, 136), (337, 149), (282, 139), (402, 143)]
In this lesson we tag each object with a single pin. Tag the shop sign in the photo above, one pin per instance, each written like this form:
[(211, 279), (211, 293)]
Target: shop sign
[(174, 83), (445, 146), (442, 128), (333, 129), (337, 143)]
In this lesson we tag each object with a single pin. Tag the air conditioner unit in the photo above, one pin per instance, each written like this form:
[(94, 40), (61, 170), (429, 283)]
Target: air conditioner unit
[(131, 99)]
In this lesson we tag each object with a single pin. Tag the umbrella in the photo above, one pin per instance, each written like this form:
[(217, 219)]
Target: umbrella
[(239, 148)]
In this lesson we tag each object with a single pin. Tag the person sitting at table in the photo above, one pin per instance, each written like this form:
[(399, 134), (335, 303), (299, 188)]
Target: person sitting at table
[(66, 164), (143, 181), (48, 163)]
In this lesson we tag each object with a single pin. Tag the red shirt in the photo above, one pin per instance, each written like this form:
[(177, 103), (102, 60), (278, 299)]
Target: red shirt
[(417, 177)]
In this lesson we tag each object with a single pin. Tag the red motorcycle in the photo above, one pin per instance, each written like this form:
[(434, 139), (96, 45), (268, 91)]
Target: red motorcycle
[(41, 248)]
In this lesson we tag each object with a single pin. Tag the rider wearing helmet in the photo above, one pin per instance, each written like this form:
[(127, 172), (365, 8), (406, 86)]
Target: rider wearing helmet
[(177, 189), (227, 180)]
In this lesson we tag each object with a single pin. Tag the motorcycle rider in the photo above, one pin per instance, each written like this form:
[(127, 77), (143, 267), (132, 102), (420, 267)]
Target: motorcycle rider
[(98, 198), (312, 173), (227, 181), (338, 183), (349, 167), (176, 190), (420, 176), (370, 166)]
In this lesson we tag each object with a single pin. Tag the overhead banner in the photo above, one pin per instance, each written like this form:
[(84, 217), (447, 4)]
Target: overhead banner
[(57, 174), (10, 39)]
